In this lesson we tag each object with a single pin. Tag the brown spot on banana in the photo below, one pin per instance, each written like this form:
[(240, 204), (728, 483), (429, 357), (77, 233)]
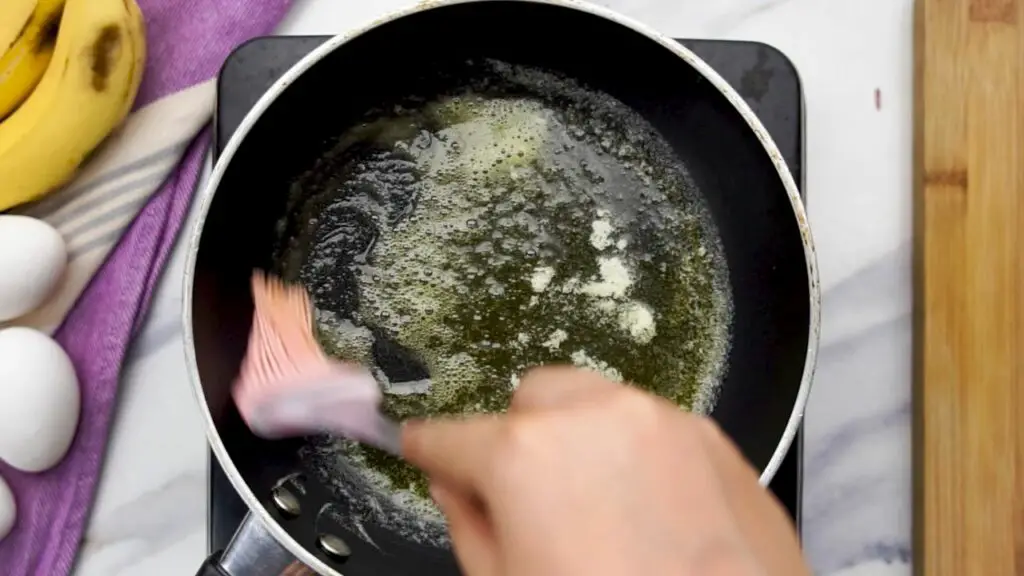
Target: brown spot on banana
[(105, 51), (48, 31)]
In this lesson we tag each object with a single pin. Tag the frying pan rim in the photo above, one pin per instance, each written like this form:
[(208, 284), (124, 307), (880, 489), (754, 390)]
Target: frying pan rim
[(279, 86)]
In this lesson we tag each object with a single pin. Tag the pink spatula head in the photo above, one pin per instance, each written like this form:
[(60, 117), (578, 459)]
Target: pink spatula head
[(287, 386)]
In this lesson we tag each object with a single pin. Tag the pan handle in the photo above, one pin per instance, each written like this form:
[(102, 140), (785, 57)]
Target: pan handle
[(252, 551)]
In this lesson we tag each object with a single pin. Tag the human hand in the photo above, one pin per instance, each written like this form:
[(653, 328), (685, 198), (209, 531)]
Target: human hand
[(585, 476)]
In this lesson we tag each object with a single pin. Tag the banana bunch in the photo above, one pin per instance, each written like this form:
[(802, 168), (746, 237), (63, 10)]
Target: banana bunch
[(69, 73)]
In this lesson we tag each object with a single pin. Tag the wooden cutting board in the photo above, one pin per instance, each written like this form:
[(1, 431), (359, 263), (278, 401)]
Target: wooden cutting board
[(969, 287)]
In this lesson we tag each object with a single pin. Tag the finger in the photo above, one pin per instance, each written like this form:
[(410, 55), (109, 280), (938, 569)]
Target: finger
[(456, 451), (470, 531), (547, 387), (297, 569), (764, 523)]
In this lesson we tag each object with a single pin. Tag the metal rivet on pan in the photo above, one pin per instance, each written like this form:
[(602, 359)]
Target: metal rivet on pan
[(286, 501), (334, 546)]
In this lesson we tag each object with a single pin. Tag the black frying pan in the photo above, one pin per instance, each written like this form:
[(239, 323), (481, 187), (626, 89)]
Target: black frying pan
[(731, 161)]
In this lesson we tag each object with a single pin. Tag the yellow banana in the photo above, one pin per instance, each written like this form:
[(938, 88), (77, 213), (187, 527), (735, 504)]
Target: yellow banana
[(24, 118), (85, 93), (24, 63), (14, 14)]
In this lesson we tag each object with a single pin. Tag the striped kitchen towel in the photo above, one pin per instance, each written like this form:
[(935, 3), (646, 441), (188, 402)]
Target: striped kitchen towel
[(120, 218), (93, 212)]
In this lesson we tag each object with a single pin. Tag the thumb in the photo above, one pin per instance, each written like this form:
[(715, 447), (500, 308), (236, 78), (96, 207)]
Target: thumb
[(455, 451), (470, 530)]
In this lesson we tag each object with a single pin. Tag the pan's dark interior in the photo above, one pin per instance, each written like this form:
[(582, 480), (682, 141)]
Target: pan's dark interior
[(744, 193)]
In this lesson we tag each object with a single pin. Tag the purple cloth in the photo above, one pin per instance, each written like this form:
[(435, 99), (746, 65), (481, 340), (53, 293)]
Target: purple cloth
[(188, 41)]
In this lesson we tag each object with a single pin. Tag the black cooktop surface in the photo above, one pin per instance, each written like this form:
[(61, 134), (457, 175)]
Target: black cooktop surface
[(761, 74)]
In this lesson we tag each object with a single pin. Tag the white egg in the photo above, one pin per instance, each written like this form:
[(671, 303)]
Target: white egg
[(32, 262), (39, 400), (8, 510)]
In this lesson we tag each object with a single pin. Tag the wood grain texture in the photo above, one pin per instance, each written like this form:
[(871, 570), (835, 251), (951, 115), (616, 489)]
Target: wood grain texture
[(969, 288)]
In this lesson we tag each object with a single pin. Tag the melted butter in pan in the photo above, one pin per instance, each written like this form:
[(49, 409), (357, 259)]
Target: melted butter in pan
[(522, 220)]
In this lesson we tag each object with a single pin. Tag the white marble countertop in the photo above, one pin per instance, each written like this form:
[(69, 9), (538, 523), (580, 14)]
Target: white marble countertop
[(855, 60)]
